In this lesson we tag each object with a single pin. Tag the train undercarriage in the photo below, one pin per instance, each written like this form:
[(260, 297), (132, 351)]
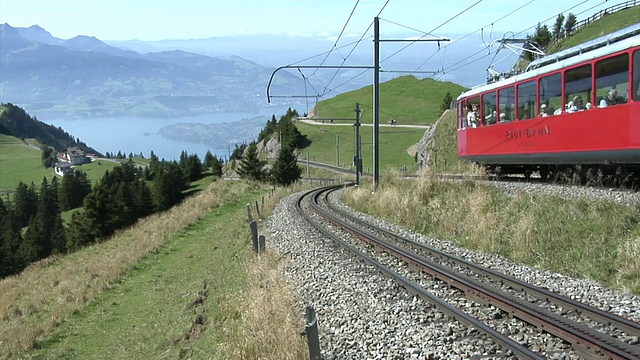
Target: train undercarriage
[(596, 175)]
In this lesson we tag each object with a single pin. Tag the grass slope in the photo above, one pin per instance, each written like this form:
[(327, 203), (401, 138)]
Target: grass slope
[(603, 26), (180, 284), (21, 162), (406, 99), (394, 143)]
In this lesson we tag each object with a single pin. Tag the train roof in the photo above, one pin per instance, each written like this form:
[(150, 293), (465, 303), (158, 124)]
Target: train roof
[(617, 41)]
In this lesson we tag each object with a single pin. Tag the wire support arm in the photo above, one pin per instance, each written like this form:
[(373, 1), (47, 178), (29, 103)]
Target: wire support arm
[(269, 96)]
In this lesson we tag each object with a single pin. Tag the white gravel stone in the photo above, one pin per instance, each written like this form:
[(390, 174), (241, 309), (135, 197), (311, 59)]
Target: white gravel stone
[(364, 315)]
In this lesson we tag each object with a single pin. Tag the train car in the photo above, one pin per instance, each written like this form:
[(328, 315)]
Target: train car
[(575, 111)]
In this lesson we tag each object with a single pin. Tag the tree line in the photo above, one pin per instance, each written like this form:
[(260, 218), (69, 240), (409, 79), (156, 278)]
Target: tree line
[(31, 227), (544, 37)]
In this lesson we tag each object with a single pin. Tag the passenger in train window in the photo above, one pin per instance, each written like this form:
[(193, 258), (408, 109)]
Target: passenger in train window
[(576, 104), (491, 118), (503, 118), (543, 110), (472, 115), (588, 106), (612, 98)]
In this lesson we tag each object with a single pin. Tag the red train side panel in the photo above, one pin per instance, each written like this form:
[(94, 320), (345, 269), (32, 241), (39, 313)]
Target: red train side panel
[(597, 136)]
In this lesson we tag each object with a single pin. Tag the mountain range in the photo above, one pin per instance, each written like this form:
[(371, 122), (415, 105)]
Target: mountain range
[(84, 77)]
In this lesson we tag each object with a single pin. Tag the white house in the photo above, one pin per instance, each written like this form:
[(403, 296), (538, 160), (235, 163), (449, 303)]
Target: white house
[(75, 156), (61, 168)]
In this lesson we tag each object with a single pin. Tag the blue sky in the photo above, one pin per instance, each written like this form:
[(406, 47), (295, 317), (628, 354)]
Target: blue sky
[(195, 19)]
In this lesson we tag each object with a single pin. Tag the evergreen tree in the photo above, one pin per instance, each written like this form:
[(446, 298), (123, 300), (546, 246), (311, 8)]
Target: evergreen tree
[(143, 199), (569, 24), (557, 27), (541, 37), (193, 167), (216, 167), (288, 133), (208, 160), (184, 158), (75, 186), (154, 163), (103, 212), (33, 245), (167, 186), (446, 102), (25, 204), (10, 240), (238, 152), (250, 165), (269, 129), (80, 232), (58, 236), (286, 170)]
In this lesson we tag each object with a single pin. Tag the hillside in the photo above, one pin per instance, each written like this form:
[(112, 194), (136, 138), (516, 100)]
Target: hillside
[(406, 99), (15, 121), (603, 26)]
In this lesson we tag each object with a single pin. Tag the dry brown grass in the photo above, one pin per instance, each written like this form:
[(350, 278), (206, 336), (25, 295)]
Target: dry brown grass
[(268, 327), (36, 301), (598, 240)]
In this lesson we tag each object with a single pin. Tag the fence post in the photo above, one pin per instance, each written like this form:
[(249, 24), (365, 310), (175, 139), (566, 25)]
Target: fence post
[(254, 235), (257, 209), (261, 244), (249, 213), (311, 330)]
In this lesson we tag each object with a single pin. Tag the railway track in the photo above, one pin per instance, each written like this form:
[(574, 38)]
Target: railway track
[(590, 331)]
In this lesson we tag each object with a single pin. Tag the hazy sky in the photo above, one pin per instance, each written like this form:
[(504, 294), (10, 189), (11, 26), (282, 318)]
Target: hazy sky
[(194, 19)]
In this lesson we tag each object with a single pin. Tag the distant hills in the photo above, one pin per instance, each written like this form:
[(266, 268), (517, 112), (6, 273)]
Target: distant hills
[(84, 77)]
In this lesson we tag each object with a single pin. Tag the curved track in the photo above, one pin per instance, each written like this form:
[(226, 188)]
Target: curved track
[(524, 301)]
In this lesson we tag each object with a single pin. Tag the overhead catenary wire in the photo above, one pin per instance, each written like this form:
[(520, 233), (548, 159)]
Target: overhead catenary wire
[(335, 44), (352, 50)]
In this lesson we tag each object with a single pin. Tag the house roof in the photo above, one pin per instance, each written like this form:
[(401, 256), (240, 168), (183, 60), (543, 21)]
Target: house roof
[(74, 151)]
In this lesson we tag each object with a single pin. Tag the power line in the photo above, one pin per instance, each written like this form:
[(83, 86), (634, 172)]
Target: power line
[(436, 28), (339, 36)]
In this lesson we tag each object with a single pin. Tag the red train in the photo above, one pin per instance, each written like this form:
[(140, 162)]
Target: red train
[(575, 113)]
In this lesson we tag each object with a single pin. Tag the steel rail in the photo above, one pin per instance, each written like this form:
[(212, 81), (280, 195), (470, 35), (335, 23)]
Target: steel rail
[(521, 351), (630, 327), (584, 339)]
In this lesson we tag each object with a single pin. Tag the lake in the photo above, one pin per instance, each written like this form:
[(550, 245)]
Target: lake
[(140, 135)]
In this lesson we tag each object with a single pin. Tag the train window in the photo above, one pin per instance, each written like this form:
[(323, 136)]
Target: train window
[(612, 81), (472, 112), (460, 113), (636, 76), (551, 94), (489, 108), (527, 100), (577, 87), (507, 104)]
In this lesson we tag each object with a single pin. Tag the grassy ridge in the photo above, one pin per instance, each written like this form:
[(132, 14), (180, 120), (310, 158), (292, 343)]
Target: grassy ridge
[(406, 99)]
